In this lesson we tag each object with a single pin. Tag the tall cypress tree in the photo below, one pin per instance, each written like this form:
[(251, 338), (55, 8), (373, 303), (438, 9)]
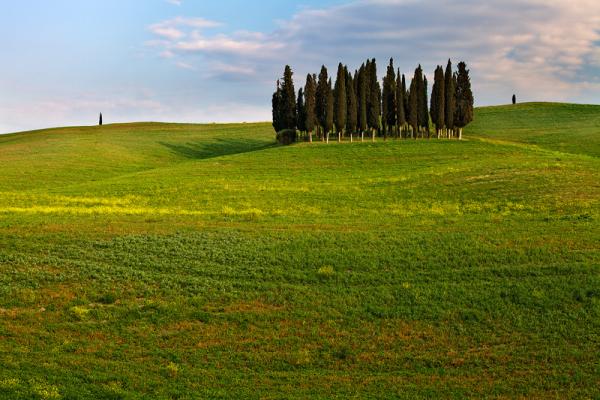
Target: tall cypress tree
[(374, 97), (362, 99), (400, 114), (413, 105), (288, 100), (322, 97), (389, 98), (438, 100), (464, 99), (433, 104), (329, 110), (310, 92), (277, 104), (340, 102), (420, 90), (351, 104), (425, 106), (449, 94), (406, 90), (301, 111)]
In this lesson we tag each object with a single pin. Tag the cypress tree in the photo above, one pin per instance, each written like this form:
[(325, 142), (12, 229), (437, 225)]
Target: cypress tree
[(433, 105), (351, 104), (374, 97), (389, 98), (100, 120), (322, 97), (310, 91), (425, 107), (340, 106), (400, 114), (449, 94), (362, 100), (277, 103), (413, 104), (406, 90), (288, 100), (301, 111), (420, 90), (464, 99), (329, 110), (438, 100), (514, 99)]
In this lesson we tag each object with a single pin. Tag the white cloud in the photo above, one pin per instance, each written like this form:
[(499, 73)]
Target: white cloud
[(538, 48)]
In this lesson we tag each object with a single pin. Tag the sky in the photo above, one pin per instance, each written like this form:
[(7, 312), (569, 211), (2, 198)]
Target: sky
[(65, 61)]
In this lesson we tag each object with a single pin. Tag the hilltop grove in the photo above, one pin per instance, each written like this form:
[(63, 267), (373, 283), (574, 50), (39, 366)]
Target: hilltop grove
[(358, 105)]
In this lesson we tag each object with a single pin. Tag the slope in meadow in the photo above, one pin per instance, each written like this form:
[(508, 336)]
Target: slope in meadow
[(58, 157), (569, 128)]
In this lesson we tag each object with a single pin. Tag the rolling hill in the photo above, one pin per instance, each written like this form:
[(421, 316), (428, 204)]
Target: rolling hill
[(184, 261)]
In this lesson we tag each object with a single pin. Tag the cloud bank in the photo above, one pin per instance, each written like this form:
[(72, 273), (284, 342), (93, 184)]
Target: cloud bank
[(542, 50)]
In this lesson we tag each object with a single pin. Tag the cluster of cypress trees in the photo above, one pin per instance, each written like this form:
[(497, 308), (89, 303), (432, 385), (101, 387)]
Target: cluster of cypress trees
[(357, 104)]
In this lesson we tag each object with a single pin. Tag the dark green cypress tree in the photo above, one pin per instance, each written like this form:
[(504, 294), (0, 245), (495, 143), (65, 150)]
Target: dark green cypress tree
[(438, 100), (301, 111), (420, 90), (389, 98), (425, 106), (362, 100), (322, 96), (277, 103), (310, 92), (340, 102), (433, 101), (288, 100), (413, 106), (374, 97), (400, 114), (329, 110), (450, 100), (464, 99), (406, 90), (351, 104)]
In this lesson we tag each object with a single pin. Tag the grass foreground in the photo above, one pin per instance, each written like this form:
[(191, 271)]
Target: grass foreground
[(179, 261)]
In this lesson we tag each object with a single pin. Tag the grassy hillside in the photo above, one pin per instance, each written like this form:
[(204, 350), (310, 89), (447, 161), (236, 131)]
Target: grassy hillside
[(194, 261), (571, 128)]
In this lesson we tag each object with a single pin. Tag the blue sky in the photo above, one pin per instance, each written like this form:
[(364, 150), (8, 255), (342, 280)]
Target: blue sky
[(196, 60)]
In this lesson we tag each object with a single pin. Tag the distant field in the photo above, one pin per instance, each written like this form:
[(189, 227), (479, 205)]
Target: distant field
[(202, 261)]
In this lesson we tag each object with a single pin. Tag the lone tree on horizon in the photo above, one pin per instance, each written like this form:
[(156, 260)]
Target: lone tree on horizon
[(514, 99), (100, 120)]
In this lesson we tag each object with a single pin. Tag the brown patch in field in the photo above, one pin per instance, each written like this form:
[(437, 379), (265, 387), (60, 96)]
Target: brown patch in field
[(255, 306), (59, 295)]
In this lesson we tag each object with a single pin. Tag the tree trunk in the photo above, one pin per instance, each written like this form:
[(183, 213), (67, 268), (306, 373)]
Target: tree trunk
[(460, 133), (339, 137), (372, 135), (362, 136), (350, 137), (327, 137), (310, 137)]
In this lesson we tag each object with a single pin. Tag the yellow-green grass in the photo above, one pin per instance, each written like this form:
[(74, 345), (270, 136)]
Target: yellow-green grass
[(195, 261)]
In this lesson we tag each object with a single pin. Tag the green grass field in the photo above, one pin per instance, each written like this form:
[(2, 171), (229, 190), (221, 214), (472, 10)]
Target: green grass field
[(203, 261)]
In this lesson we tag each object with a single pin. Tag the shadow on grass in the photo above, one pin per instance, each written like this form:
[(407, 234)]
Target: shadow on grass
[(217, 148)]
